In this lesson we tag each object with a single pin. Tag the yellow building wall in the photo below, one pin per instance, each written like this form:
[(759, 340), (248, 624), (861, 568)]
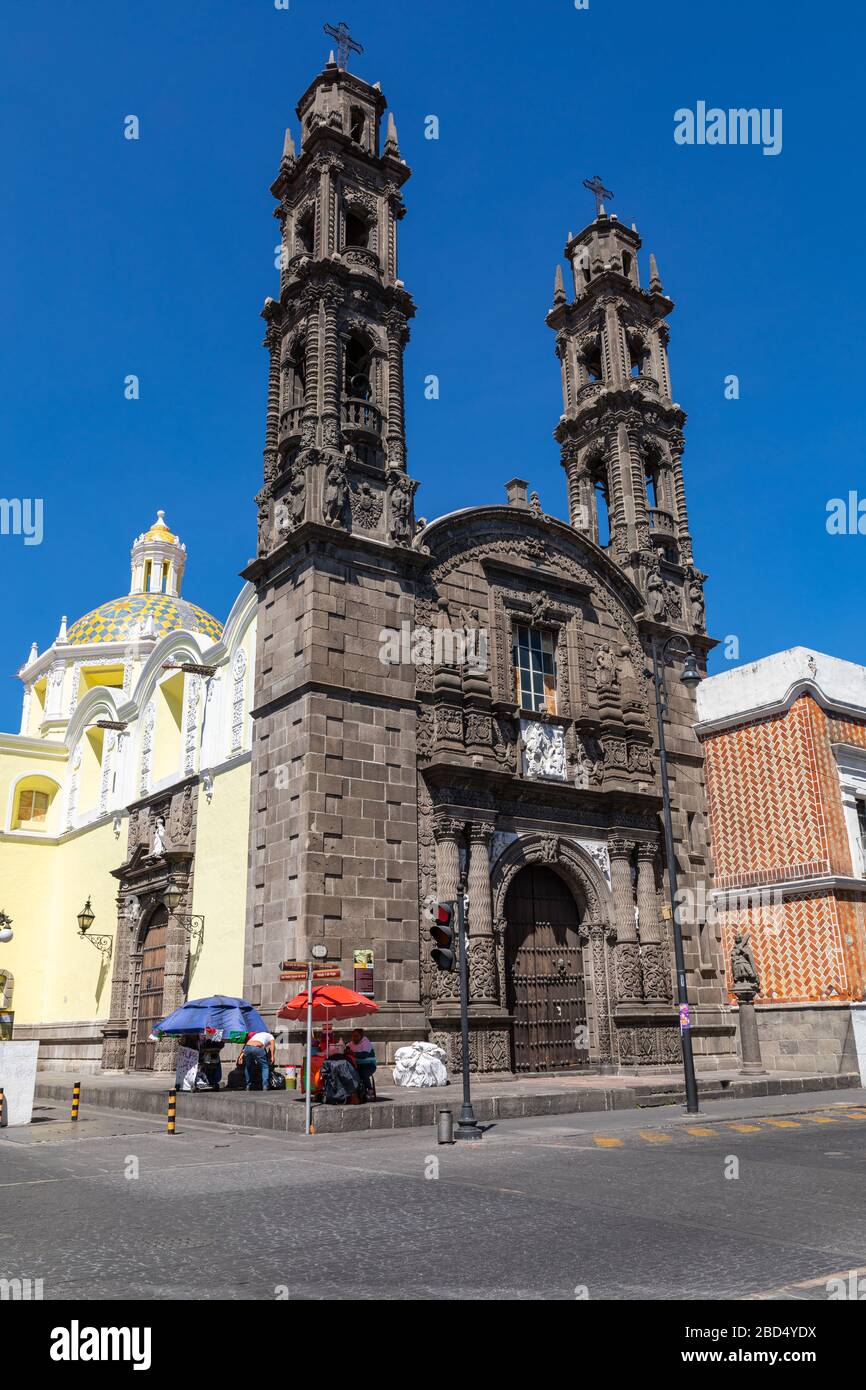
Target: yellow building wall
[(220, 884), (43, 887)]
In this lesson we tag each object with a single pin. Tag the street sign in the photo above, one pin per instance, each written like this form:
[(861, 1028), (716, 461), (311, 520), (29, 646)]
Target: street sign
[(333, 972), (293, 975), (294, 965)]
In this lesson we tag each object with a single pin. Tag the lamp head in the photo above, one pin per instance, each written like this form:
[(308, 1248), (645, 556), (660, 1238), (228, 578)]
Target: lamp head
[(691, 676), (86, 918)]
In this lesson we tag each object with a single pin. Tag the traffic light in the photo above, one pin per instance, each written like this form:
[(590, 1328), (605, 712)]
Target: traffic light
[(444, 953)]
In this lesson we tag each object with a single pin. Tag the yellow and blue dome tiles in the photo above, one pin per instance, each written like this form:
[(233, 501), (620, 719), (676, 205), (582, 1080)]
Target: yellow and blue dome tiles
[(124, 618)]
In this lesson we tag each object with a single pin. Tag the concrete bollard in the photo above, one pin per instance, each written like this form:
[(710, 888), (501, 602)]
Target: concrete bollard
[(445, 1127)]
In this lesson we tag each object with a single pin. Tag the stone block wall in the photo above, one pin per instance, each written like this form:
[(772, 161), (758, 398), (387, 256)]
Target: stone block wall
[(809, 1038)]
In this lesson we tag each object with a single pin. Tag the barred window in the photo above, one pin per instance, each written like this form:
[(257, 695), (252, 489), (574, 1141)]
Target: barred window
[(534, 669)]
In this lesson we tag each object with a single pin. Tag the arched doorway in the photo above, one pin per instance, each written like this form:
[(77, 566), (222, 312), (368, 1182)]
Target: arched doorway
[(544, 973), (148, 991)]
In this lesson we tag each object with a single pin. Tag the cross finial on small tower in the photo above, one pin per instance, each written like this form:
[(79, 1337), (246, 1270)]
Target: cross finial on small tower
[(599, 192), (345, 43)]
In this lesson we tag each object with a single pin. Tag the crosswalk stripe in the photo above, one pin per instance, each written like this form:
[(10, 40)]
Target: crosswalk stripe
[(699, 1131), (744, 1129), (604, 1141), (823, 1119), (781, 1124), (653, 1137)]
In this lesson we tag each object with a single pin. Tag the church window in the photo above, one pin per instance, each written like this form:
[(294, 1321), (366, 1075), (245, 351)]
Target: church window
[(652, 487), (602, 511), (357, 230), (148, 567), (357, 124), (592, 362), (535, 668), (626, 263), (33, 806), (358, 368), (297, 383), (305, 231), (33, 799)]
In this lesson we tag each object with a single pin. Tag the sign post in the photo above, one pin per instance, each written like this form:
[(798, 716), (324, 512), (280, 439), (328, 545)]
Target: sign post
[(308, 1099)]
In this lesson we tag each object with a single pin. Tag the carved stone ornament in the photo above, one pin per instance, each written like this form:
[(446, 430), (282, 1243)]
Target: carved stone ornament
[(543, 749), (336, 494), (366, 506)]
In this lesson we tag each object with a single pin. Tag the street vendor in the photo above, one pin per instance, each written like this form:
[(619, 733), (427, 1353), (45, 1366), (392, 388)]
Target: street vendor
[(259, 1054), (359, 1049)]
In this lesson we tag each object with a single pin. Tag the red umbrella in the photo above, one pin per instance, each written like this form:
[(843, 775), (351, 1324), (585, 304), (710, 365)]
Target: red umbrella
[(329, 1002)]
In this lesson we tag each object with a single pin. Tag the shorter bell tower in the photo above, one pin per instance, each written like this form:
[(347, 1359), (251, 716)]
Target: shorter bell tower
[(621, 432)]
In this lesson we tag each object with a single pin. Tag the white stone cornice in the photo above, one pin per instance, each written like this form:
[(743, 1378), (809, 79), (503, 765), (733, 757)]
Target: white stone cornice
[(770, 686)]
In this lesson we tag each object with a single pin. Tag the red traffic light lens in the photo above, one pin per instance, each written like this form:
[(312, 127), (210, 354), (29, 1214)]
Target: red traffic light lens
[(443, 915)]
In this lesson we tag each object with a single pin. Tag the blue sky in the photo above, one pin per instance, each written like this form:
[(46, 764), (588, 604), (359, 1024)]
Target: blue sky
[(153, 257)]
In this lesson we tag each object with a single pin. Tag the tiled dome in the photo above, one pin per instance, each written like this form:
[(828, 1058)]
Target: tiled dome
[(124, 619)]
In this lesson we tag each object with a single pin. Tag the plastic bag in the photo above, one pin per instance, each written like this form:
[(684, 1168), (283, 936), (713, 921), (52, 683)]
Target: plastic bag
[(420, 1064)]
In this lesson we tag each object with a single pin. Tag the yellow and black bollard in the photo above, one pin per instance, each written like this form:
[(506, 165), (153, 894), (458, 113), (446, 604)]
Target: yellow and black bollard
[(76, 1099), (172, 1111)]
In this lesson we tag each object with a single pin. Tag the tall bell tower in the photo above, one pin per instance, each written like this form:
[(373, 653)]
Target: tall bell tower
[(333, 851), (621, 432)]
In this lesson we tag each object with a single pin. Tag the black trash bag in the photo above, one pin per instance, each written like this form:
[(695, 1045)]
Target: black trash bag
[(340, 1082), (276, 1080)]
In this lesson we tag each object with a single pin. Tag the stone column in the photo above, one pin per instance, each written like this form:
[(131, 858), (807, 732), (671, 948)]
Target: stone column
[(482, 954), (398, 334), (332, 360), (311, 372), (750, 1044), (629, 989), (448, 834), (655, 966), (598, 934), (274, 343), (115, 1031)]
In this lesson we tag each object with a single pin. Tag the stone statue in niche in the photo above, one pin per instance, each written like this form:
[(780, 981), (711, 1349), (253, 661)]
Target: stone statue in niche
[(744, 971), (606, 667), (336, 493), (400, 506), (655, 595), (543, 749), (698, 605), (159, 836)]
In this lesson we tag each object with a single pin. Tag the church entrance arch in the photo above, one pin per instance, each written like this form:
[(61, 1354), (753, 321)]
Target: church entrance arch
[(544, 973)]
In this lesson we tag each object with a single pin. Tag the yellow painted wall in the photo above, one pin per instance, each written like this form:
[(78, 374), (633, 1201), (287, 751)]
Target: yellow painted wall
[(220, 884), (59, 977)]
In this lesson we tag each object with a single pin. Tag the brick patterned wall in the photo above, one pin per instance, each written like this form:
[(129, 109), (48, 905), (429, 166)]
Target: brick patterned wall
[(768, 800), (798, 948)]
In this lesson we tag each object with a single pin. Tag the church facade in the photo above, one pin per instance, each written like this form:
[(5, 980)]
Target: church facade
[(392, 708), (510, 742)]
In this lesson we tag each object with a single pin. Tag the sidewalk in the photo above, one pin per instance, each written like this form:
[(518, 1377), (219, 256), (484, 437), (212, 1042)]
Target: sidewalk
[(493, 1098)]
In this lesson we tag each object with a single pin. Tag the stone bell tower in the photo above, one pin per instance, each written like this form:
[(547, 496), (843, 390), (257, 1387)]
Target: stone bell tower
[(621, 433), (333, 825)]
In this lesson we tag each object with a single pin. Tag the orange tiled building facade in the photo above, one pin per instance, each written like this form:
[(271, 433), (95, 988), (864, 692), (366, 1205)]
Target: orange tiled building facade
[(785, 747)]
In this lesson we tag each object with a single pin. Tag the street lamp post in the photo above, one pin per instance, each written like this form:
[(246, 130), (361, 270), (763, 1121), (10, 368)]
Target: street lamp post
[(691, 677)]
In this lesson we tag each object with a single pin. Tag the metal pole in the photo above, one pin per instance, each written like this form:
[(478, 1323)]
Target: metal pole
[(692, 1107), (467, 1125), (308, 1099)]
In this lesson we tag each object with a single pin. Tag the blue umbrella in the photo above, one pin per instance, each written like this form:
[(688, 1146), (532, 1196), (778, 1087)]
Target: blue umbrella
[(235, 1017)]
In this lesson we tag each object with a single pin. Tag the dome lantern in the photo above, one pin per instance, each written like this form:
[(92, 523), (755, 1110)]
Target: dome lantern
[(158, 561)]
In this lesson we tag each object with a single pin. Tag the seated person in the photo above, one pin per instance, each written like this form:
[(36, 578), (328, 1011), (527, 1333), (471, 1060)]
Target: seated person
[(342, 1084), (359, 1050)]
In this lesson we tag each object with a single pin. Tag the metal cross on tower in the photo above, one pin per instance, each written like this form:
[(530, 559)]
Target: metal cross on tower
[(599, 192), (345, 43)]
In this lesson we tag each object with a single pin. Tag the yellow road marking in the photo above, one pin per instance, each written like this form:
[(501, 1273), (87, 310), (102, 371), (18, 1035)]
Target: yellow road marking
[(699, 1131), (744, 1129), (604, 1141), (781, 1124), (822, 1119), (652, 1136)]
